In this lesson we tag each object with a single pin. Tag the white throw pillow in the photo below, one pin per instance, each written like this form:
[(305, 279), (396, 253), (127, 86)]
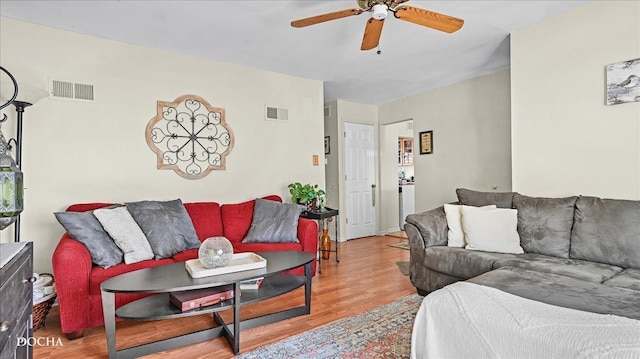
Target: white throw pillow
[(491, 230), (454, 222), (124, 230)]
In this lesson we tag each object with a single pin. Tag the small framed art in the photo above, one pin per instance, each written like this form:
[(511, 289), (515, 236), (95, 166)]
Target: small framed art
[(426, 142), (327, 145)]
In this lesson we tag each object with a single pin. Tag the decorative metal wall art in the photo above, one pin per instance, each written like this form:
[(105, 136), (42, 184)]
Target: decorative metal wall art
[(190, 136), (623, 82)]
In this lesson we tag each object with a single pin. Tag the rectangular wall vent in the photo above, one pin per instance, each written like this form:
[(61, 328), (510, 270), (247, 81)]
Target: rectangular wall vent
[(327, 111), (66, 90), (276, 114)]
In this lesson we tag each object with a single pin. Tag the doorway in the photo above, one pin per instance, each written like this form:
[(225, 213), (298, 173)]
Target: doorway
[(397, 152), (360, 185)]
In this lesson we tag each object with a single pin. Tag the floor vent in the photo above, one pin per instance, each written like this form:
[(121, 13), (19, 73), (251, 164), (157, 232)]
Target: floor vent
[(65, 90), (276, 114)]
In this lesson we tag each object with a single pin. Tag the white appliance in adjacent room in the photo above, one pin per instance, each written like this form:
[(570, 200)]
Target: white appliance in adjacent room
[(407, 202)]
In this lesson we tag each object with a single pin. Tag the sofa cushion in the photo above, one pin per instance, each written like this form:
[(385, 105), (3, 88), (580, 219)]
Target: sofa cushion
[(492, 230), (99, 275), (607, 231), (563, 291), (265, 247), (125, 233), (575, 268), (544, 224), (455, 236), (274, 222), (461, 263), (186, 255), (478, 199), (167, 226), (206, 218), (84, 207), (236, 218), (628, 278), (85, 228)]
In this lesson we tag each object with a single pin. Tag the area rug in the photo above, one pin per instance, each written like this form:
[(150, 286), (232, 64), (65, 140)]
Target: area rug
[(399, 234), (403, 267), (383, 332), (403, 245)]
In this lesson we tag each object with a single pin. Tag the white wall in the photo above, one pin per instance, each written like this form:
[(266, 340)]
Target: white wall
[(565, 140), (471, 138), (77, 152)]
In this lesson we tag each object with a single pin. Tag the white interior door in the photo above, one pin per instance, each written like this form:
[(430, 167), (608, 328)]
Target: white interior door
[(359, 177)]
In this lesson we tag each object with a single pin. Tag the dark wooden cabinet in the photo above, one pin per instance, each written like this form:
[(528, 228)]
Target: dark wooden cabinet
[(16, 296)]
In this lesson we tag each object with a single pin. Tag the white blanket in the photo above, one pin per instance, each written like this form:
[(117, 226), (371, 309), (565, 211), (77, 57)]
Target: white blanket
[(465, 320)]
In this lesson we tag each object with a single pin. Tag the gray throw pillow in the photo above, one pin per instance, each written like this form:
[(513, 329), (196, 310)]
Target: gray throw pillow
[(85, 228), (544, 224), (479, 199), (607, 231), (274, 222), (167, 226)]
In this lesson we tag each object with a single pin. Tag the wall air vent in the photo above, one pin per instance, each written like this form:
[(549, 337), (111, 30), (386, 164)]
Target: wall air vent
[(276, 114), (327, 111), (70, 91)]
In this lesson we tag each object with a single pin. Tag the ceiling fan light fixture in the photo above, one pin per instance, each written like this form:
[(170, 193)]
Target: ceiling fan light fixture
[(379, 11)]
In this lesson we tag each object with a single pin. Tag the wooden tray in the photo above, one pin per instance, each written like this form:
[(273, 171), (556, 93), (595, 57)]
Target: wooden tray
[(239, 262)]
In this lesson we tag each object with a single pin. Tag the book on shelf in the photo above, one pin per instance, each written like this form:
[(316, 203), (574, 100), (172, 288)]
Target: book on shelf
[(197, 298), (251, 283)]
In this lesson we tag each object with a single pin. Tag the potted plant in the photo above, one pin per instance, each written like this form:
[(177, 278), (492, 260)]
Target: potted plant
[(307, 194)]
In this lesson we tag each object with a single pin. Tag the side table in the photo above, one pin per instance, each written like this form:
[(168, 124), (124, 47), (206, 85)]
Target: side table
[(322, 217)]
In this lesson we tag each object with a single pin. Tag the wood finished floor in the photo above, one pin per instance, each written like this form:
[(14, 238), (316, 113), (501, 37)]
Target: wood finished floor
[(365, 278)]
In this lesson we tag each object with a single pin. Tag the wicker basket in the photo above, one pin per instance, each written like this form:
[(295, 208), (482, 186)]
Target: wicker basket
[(42, 307)]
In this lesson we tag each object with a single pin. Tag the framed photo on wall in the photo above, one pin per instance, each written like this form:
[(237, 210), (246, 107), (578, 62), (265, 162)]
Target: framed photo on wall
[(327, 145), (426, 142)]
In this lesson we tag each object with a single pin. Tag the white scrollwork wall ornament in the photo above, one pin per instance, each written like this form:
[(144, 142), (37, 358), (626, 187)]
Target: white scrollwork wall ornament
[(190, 136)]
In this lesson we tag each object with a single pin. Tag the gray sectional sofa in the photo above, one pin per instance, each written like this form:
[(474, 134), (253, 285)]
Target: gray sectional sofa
[(580, 252)]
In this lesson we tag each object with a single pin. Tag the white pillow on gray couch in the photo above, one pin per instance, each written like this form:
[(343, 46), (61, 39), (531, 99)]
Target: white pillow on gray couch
[(491, 230), (454, 222)]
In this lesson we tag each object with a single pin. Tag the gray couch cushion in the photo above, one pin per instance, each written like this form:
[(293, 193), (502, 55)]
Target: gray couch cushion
[(607, 231), (574, 268), (544, 224), (85, 228), (431, 225), (628, 278), (478, 199), (563, 291), (274, 222), (460, 262), (167, 226)]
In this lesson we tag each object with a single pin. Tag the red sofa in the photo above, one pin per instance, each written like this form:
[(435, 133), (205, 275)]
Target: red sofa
[(78, 280)]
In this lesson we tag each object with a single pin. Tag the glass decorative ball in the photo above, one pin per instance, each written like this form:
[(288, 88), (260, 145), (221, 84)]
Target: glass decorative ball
[(215, 252)]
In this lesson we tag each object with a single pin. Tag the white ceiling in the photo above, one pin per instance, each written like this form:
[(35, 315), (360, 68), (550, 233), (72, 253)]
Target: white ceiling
[(258, 34)]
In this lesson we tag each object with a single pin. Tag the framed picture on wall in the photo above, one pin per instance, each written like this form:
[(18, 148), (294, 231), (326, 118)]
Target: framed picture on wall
[(327, 145), (426, 142)]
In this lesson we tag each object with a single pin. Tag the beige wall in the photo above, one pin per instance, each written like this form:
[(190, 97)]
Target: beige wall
[(565, 140), (471, 139), (78, 152)]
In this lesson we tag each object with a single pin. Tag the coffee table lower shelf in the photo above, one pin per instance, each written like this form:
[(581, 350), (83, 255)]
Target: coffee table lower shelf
[(158, 307)]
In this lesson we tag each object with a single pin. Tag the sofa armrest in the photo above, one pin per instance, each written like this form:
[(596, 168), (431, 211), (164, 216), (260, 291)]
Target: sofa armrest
[(427, 229), (308, 237), (72, 265)]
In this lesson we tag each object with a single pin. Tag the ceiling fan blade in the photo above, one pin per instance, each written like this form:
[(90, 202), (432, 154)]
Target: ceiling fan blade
[(326, 17), (372, 33), (428, 18)]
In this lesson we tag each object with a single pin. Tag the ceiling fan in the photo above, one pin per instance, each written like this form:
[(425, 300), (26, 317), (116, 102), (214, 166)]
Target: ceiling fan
[(380, 9)]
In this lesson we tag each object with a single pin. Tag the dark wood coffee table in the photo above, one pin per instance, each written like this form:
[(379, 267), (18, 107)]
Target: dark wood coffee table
[(174, 277)]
